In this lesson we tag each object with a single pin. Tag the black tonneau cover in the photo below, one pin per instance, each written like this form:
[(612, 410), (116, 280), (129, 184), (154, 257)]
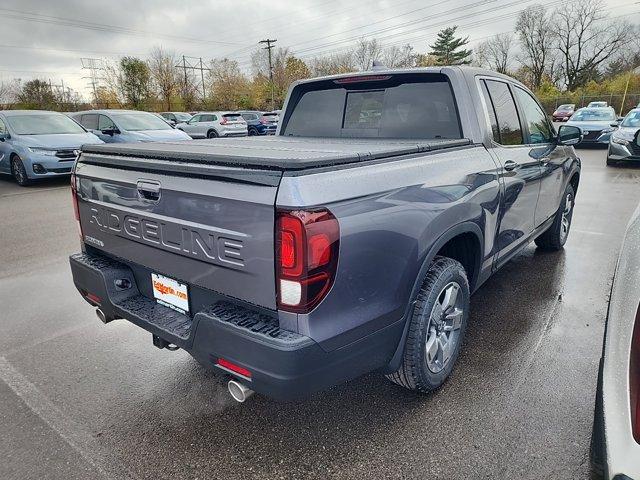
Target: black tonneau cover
[(270, 153)]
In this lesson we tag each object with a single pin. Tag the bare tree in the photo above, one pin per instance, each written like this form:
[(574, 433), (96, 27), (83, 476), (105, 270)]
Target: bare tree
[(367, 52), (586, 40), (332, 64), (164, 74), (495, 53), (534, 28), (398, 57)]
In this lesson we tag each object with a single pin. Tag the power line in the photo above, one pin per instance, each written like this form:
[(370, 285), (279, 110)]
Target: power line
[(74, 23)]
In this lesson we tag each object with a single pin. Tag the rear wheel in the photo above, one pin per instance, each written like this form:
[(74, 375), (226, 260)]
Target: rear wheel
[(437, 327), (556, 235), (253, 132), (19, 172), (212, 134)]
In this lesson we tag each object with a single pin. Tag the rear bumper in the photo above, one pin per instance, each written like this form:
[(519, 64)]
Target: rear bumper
[(284, 365)]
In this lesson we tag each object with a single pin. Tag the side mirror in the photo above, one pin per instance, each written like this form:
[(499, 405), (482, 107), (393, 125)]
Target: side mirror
[(569, 135), (110, 131), (615, 124)]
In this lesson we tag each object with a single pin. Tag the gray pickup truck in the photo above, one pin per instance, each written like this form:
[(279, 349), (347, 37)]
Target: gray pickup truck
[(348, 242)]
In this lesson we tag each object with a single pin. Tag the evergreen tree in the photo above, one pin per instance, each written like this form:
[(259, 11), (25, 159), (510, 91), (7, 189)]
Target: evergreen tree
[(447, 48)]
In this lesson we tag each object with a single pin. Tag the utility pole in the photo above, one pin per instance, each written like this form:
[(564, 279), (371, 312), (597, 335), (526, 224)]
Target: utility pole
[(268, 48), (195, 64)]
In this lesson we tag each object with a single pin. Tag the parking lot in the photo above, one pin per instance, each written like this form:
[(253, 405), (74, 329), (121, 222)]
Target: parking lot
[(82, 400)]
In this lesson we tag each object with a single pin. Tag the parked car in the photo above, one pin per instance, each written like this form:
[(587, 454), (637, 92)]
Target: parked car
[(597, 105), (564, 112), (176, 117), (36, 144), (623, 144), (215, 124), (615, 442), (126, 126), (345, 244), (596, 124), (260, 123)]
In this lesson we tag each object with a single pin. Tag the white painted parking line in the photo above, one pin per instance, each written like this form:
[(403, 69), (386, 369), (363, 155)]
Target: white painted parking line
[(73, 434)]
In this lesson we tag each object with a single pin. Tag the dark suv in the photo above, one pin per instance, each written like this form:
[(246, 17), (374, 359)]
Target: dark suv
[(260, 123)]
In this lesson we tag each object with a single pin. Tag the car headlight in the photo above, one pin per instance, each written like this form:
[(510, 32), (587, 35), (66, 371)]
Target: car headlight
[(42, 151), (619, 140)]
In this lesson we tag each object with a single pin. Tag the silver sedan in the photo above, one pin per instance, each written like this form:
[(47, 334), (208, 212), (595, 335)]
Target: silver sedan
[(624, 141), (615, 446)]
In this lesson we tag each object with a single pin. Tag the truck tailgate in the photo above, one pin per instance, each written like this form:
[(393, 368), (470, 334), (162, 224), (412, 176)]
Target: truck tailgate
[(212, 229)]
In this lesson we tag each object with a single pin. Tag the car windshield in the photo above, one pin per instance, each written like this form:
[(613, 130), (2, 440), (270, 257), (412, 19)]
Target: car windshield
[(565, 107), (43, 124), (632, 119), (182, 117), (135, 122), (594, 115)]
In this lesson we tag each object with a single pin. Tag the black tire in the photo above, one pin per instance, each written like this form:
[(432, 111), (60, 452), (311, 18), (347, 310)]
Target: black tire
[(212, 134), (19, 172), (556, 235), (416, 372), (253, 132)]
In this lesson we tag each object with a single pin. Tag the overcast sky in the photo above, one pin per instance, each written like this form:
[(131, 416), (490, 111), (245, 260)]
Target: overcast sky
[(47, 38)]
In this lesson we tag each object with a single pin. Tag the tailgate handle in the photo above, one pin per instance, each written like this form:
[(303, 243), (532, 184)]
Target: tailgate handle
[(149, 190)]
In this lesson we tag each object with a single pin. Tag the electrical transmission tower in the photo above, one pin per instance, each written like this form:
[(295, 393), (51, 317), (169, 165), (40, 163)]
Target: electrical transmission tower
[(95, 67), (269, 42), (194, 63)]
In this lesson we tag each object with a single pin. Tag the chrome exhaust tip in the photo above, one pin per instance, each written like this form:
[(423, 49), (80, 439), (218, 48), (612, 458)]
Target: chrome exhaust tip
[(238, 391), (104, 318)]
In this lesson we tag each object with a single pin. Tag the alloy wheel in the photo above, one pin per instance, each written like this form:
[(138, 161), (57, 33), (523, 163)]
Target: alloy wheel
[(444, 327)]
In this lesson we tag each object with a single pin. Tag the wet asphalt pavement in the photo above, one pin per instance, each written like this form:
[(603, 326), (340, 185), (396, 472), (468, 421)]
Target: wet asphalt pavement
[(82, 400)]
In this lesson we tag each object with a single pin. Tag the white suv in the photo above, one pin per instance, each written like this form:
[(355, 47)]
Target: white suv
[(214, 124)]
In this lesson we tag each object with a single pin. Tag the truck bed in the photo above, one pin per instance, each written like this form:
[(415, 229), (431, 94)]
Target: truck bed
[(277, 153)]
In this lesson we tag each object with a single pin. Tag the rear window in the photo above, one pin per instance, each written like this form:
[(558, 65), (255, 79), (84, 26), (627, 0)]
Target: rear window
[(384, 106), (232, 117)]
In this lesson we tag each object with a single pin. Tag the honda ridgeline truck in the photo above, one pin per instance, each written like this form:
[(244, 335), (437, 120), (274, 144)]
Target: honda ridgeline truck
[(348, 242)]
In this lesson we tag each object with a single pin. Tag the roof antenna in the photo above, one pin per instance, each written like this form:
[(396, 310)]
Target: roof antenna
[(378, 65)]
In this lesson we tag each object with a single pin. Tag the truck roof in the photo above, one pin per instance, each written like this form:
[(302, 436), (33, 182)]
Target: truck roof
[(272, 153)]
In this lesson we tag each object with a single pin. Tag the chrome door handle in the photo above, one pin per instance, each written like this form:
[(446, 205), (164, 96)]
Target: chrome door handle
[(510, 165)]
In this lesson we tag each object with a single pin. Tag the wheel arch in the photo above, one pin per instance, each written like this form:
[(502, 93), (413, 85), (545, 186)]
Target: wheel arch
[(450, 242)]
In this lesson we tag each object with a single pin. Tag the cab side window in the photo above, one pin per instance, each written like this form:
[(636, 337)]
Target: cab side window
[(490, 111), (105, 123), (506, 113), (3, 129), (540, 128), (89, 121), (195, 119)]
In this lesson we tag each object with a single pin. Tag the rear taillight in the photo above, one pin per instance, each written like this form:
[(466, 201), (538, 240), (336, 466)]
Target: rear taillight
[(223, 121), (263, 120), (307, 257), (76, 208), (634, 378)]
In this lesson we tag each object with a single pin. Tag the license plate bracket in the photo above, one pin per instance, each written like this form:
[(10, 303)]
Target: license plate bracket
[(170, 292)]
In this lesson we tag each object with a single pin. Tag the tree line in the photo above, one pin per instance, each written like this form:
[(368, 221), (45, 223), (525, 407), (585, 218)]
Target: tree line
[(573, 50)]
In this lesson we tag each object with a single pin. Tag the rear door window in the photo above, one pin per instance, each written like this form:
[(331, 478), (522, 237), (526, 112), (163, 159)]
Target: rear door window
[(380, 106), (506, 113)]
